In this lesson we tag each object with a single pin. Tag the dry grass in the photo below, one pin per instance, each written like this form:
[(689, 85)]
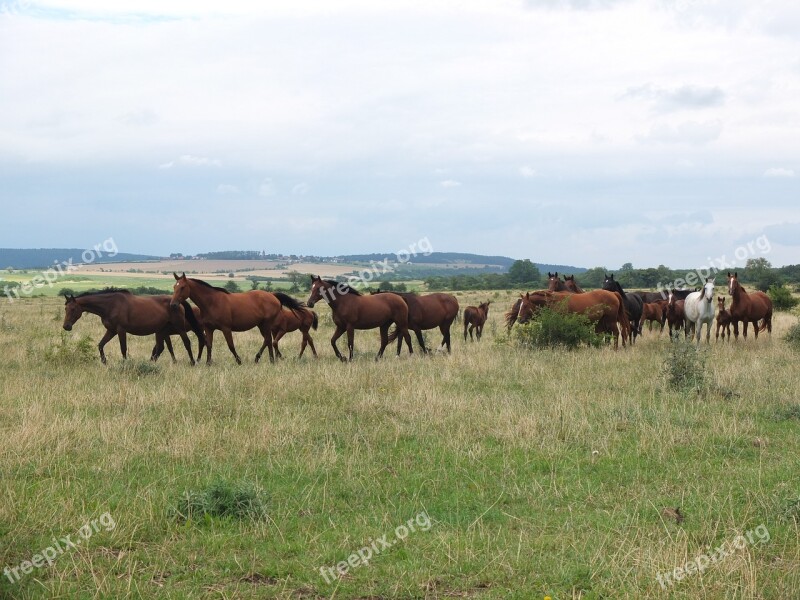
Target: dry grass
[(543, 472)]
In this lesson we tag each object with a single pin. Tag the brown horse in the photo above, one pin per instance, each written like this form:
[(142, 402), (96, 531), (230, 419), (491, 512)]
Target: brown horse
[(554, 284), (353, 311), (676, 318), (749, 308), (572, 285), (292, 320), (427, 312), (654, 312), (605, 309), (162, 340), (474, 320), (723, 319), (231, 312), (122, 313)]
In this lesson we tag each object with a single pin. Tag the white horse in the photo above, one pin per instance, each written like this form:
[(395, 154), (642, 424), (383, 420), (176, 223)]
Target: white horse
[(699, 308)]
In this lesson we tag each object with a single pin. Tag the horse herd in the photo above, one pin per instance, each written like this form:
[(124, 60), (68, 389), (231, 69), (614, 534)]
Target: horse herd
[(611, 309)]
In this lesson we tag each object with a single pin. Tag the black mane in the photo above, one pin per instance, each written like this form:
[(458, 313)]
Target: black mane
[(110, 290), (208, 285), (345, 287)]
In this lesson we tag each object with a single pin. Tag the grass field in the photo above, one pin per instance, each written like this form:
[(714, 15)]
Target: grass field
[(524, 473)]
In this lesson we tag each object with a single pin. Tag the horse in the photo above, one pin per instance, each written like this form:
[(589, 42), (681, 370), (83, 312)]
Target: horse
[(427, 312), (654, 312), (122, 313), (474, 319), (605, 309), (633, 305), (699, 309), (676, 317), (229, 312), (749, 308), (162, 340), (353, 311), (554, 284), (292, 320), (723, 319), (572, 285)]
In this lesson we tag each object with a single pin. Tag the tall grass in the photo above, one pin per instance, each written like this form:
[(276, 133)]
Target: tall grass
[(543, 473)]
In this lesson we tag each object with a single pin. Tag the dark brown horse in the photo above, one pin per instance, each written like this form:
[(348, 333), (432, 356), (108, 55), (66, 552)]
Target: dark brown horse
[(427, 312), (292, 320), (605, 309), (572, 285), (654, 312), (231, 312), (353, 311), (633, 305), (176, 318), (676, 318), (474, 320), (749, 308), (122, 313), (554, 284), (723, 319)]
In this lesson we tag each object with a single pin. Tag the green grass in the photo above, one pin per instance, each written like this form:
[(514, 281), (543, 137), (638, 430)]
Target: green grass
[(542, 472)]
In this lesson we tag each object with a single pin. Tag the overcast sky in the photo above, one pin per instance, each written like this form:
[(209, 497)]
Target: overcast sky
[(582, 132)]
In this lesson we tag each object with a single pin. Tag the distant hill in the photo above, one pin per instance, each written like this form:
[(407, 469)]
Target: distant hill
[(43, 258), (459, 259)]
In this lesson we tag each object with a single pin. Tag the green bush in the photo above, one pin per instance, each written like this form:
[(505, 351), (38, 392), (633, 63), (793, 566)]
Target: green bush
[(792, 337), (684, 367), (223, 499), (781, 297), (68, 352), (556, 328)]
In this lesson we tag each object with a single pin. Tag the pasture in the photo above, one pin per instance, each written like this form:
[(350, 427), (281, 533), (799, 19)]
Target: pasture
[(542, 473)]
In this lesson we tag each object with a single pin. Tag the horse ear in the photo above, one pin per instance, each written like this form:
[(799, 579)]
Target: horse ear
[(736, 274), (175, 275)]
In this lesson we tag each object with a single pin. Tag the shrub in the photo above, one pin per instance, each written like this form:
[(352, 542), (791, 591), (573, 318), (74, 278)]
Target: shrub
[(781, 297), (68, 352), (685, 367), (231, 286), (553, 328), (792, 337), (222, 499)]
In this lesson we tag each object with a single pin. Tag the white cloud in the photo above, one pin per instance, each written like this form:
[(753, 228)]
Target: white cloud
[(527, 172), (778, 172), (685, 97), (686, 132), (227, 189), (267, 188), (300, 189), (188, 160), (450, 183)]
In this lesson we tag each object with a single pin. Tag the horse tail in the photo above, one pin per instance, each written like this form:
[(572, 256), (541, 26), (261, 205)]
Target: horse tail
[(763, 325), (289, 302), (622, 317), (393, 334), (511, 316), (194, 323), (314, 320)]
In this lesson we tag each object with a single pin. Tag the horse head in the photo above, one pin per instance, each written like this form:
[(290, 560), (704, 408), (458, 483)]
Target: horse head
[(733, 282), (708, 290), (72, 312), (181, 290), (721, 303), (319, 291)]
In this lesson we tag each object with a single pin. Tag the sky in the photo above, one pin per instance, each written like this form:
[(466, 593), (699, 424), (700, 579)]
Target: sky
[(578, 132)]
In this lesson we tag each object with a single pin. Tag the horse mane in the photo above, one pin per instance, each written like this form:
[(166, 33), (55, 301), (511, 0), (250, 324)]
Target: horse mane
[(341, 285), (110, 290), (208, 285)]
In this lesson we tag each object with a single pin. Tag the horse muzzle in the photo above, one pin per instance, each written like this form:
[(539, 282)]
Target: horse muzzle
[(67, 326), (310, 304)]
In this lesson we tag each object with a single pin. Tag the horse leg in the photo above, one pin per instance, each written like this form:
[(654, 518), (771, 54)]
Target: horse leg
[(109, 334), (266, 332), (336, 335), (209, 343), (311, 343), (168, 343), (158, 348), (745, 323), (445, 329), (277, 337), (351, 333), (229, 339), (465, 329), (123, 344), (187, 343), (421, 341), (384, 330)]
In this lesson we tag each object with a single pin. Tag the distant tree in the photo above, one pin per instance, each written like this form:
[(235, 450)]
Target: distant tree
[(301, 282), (593, 278), (231, 286), (627, 267), (254, 284), (524, 273), (386, 286), (66, 292)]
